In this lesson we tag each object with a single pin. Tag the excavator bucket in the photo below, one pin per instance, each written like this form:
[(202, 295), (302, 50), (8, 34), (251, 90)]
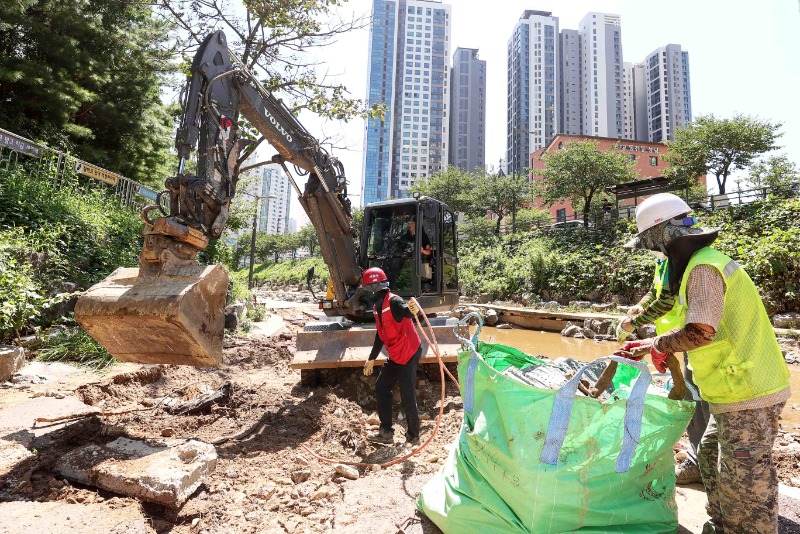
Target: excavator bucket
[(176, 319)]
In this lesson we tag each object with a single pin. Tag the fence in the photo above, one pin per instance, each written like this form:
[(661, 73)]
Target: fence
[(60, 166), (713, 203)]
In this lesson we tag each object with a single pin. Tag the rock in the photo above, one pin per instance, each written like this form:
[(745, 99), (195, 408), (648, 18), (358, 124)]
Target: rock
[(605, 337), (550, 305), (490, 317), (588, 333), (504, 326), (795, 481), (168, 432), (347, 471), (12, 359), (300, 476), (165, 475), (484, 298), (787, 320), (264, 492), (603, 327), (231, 321), (624, 309), (646, 331), (526, 299), (373, 419), (604, 307), (570, 330), (580, 304)]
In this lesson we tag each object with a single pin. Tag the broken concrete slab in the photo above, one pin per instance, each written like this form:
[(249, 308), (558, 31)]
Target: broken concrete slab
[(12, 359), (272, 326), (157, 473), (12, 455), (24, 517)]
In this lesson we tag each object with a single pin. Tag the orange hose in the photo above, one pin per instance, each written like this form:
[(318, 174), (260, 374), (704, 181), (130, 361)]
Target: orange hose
[(442, 370)]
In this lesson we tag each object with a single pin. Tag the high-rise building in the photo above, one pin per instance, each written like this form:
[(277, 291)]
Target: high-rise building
[(467, 148), (628, 103), (409, 65), (666, 92), (639, 102), (532, 95), (569, 82), (273, 217), (601, 60)]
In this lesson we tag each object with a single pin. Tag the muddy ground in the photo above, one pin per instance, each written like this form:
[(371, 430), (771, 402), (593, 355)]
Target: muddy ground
[(264, 480)]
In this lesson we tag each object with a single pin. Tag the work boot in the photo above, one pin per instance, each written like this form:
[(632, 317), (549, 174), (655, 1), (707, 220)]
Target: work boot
[(412, 442), (687, 472), (382, 436)]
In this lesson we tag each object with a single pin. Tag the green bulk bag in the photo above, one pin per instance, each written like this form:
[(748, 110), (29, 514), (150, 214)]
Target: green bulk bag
[(545, 461)]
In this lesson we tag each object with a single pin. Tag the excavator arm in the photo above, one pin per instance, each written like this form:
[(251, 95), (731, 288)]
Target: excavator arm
[(170, 309), (219, 89)]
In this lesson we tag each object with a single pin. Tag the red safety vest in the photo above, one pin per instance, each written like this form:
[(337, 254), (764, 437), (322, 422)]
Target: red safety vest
[(401, 339)]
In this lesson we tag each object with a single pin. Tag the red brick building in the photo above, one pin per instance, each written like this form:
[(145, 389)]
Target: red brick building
[(648, 159)]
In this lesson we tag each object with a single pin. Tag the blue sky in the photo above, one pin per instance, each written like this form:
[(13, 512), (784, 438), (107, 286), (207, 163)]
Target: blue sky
[(743, 59)]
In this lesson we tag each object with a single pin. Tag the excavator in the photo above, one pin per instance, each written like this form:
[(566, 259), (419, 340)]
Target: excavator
[(170, 310)]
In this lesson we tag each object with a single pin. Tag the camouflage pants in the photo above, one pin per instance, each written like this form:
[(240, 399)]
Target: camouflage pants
[(738, 473)]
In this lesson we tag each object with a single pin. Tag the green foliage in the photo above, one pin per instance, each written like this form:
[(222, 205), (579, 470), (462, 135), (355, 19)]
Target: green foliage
[(500, 194), (776, 172), (586, 264), (275, 41), (257, 313), (286, 272), (85, 76), (75, 345), (50, 235), (719, 147), (453, 186), (308, 238), (579, 173)]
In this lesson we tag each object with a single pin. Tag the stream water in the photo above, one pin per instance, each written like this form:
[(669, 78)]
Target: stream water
[(553, 345)]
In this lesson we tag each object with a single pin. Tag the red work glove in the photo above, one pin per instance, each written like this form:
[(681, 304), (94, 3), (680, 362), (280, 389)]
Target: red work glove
[(627, 349), (659, 359)]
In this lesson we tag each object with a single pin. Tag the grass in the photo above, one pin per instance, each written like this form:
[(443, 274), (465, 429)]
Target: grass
[(75, 345)]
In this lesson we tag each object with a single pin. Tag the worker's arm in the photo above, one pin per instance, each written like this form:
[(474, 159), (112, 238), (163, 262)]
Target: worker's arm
[(377, 345), (705, 291), (653, 309), (399, 309)]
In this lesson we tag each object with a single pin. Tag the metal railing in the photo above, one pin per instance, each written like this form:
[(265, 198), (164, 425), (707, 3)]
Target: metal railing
[(40, 160), (739, 197)]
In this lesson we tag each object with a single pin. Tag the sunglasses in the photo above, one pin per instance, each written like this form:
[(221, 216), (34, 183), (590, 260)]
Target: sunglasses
[(684, 221)]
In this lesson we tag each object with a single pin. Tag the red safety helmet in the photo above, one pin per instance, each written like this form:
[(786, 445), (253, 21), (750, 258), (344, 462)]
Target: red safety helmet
[(373, 275)]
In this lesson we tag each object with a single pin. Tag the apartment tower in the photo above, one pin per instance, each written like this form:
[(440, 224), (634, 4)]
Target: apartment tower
[(467, 148), (408, 72), (532, 95)]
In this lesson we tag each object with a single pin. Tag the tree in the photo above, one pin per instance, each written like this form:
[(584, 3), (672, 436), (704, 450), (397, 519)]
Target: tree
[(529, 218), (275, 40), (719, 146), (499, 194), (775, 172), (452, 186), (308, 238), (579, 173), (85, 77)]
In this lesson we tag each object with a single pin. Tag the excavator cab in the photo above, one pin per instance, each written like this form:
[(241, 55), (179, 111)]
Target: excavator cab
[(414, 241)]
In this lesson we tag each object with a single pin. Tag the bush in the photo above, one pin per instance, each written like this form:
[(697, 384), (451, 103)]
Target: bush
[(50, 235), (592, 265), (75, 345)]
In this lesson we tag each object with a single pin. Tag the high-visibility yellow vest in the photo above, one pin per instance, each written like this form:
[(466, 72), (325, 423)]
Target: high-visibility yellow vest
[(744, 361), (660, 279)]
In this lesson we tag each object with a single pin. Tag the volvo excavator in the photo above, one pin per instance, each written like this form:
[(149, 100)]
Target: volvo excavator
[(171, 309)]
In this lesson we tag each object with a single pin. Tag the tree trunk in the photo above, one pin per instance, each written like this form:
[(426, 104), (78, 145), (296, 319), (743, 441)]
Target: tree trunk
[(497, 226)]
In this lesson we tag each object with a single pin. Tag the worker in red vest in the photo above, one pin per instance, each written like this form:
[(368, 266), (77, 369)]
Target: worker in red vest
[(395, 330)]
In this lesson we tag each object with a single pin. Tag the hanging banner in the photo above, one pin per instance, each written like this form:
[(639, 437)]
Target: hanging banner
[(97, 173), (20, 144)]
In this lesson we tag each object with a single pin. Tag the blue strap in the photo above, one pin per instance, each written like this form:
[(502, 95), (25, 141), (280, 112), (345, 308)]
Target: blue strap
[(469, 380), (562, 411)]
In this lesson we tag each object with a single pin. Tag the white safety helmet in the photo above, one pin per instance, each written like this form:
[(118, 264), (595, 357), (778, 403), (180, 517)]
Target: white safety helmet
[(659, 208)]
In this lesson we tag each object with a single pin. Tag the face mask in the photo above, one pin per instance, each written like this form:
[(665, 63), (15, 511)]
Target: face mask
[(658, 255)]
